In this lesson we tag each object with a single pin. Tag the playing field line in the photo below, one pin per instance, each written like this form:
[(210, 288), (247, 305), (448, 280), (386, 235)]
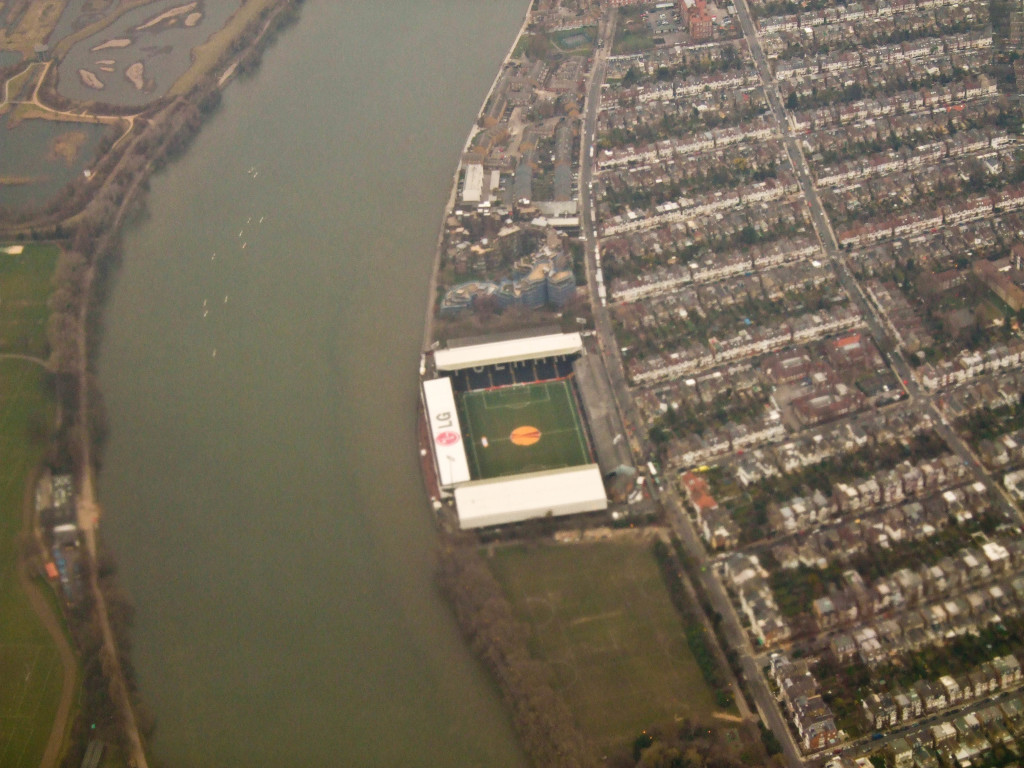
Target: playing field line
[(513, 396), (470, 432), (579, 431), (501, 439), (523, 427)]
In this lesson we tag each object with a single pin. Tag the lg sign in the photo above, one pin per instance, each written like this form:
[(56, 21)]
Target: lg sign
[(448, 437), (445, 436)]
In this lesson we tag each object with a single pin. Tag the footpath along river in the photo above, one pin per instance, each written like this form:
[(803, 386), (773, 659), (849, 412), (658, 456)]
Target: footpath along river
[(260, 482)]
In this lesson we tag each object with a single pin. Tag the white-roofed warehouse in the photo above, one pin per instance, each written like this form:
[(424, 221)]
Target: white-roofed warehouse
[(504, 500)]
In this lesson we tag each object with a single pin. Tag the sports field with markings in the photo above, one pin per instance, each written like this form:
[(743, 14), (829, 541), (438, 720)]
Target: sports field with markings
[(522, 428), (600, 616), (32, 676)]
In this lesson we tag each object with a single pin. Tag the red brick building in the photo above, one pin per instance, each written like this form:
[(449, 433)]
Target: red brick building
[(698, 20)]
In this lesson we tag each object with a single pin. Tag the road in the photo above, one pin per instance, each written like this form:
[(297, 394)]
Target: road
[(27, 358), (428, 323), (734, 633), (867, 745), (602, 320), (80, 116), (86, 503), (88, 512), (919, 401), (879, 326)]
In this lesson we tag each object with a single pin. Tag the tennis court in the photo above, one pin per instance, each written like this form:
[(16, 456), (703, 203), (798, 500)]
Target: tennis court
[(523, 428)]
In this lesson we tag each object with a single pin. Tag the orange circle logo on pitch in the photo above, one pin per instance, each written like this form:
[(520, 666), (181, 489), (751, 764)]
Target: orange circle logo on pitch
[(525, 435)]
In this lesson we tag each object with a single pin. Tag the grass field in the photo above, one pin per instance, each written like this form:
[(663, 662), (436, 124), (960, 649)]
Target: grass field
[(25, 281), (30, 671), (575, 40), (494, 414), (601, 618)]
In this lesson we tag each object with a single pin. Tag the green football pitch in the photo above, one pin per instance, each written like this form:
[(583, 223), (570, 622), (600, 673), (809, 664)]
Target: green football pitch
[(549, 431)]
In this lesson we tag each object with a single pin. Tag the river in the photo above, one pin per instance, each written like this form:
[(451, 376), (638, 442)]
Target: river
[(260, 482)]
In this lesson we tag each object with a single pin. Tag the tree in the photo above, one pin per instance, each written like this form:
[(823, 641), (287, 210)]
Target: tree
[(660, 755), (538, 47)]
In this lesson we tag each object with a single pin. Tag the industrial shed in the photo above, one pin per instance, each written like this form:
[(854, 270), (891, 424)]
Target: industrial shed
[(505, 500)]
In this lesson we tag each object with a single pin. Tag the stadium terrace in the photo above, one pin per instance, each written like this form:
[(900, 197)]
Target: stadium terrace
[(508, 438)]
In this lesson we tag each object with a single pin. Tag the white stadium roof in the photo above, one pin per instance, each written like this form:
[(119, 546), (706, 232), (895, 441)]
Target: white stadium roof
[(511, 351), (513, 499), (445, 432)]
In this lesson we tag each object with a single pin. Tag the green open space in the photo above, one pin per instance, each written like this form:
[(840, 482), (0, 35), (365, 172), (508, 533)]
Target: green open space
[(575, 40), (30, 669), (632, 33), (490, 416), (25, 283), (601, 618)]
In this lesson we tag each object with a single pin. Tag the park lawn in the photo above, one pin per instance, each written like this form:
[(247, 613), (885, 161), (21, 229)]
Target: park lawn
[(25, 284), (631, 43), (30, 667), (600, 617)]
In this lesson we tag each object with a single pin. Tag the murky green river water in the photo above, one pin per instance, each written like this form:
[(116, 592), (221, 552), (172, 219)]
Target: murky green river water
[(261, 484)]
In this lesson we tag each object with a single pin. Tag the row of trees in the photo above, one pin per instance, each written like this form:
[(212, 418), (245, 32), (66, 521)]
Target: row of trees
[(81, 280), (684, 121), (700, 180), (990, 423), (845, 684), (543, 722), (100, 717), (633, 261), (696, 635), (787, 7), (692, 745), (874, 456)]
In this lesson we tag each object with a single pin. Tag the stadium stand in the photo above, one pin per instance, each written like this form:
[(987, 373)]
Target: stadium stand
[(505, 374), (522, 428)]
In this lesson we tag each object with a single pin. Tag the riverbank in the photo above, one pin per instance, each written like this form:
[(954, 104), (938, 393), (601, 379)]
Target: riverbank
[(428, 324), (172, 132), (231, 51), (338, 517), (94, 225)]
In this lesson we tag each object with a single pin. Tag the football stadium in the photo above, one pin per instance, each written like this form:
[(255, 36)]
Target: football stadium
[(507, 431)]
